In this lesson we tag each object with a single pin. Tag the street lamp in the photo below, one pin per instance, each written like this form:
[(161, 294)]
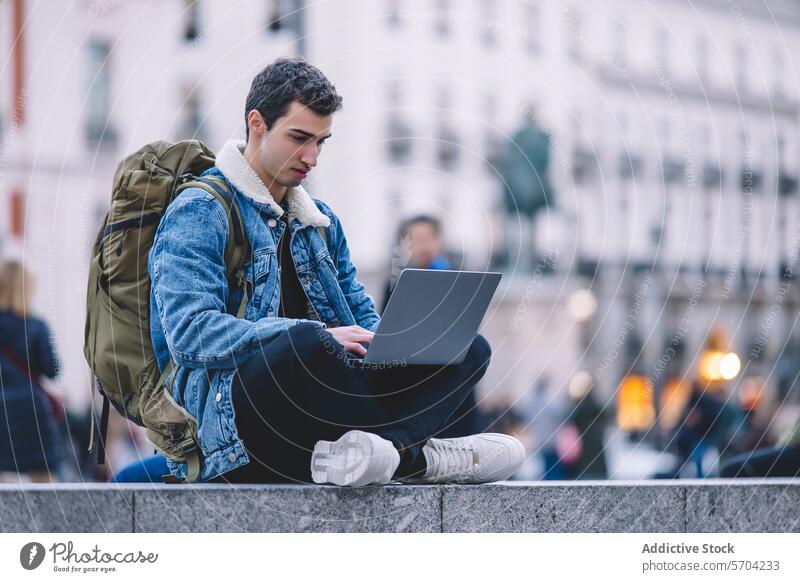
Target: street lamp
[(582, 305), (716, 366)]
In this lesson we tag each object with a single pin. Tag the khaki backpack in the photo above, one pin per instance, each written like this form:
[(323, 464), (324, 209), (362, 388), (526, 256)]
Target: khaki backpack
[(117, 343)]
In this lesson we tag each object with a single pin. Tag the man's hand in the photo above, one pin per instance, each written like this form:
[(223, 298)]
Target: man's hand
[(351, 337)]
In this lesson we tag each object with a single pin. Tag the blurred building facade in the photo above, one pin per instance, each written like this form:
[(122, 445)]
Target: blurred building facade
[(673, 148)]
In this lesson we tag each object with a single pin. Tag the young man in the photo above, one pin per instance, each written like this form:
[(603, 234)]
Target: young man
[(273, 395)]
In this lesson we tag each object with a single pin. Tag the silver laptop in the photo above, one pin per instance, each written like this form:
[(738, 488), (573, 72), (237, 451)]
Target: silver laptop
[(432, 317)]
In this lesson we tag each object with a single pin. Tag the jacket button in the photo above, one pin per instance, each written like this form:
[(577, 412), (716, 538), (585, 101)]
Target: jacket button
[(218, 397), (272, 222), (231, 457)]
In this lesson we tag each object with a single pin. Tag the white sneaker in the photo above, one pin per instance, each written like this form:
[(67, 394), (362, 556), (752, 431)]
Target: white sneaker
[(358, 458), (480, 458)]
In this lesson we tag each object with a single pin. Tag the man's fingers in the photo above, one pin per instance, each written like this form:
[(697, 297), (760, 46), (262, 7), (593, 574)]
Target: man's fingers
[(352, 335), (356, 349), (359, 334)]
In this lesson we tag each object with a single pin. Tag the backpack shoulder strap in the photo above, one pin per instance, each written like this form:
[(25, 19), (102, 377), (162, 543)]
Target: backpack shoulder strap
[(238, 246)]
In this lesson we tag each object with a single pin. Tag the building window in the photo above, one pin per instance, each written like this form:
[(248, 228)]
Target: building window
[(399, 131), (779, 74), (787, 182), (447, 139), (442, 18), (701, 58), (492, 140), (630, 165), (488, 23), (448, 146), (393, 17), (751, 177), (532, 19), (663, 48), (574, 23), (712, 175), (672, 169), (283, 15), (99, 131), (191, 28), (191, 124), (740, 59), (629, 160), (17, 214), (620, 43), (584, 164)]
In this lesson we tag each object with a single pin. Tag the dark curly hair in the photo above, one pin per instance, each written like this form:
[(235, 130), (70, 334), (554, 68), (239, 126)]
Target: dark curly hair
[(284, 81)]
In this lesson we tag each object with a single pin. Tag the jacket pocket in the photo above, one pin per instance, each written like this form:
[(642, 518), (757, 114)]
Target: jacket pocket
[(260, 279)]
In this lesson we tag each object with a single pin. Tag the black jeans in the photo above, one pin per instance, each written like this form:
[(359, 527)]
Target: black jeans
[(774, 462), (299, 390)]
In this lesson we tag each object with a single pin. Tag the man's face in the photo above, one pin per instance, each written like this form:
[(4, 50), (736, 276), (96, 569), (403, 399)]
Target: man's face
[(424, 243), (290, 148)]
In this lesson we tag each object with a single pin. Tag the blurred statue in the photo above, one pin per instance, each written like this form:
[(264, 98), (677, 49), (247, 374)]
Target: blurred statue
[(526, 189)]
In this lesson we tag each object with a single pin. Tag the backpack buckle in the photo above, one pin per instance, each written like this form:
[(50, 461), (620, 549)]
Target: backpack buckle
[(188, 445)]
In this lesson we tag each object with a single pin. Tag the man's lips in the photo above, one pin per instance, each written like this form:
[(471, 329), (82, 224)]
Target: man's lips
[(302, 173)]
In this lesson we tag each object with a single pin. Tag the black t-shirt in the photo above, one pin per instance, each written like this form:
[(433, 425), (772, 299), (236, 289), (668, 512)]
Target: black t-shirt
[(294, 302)]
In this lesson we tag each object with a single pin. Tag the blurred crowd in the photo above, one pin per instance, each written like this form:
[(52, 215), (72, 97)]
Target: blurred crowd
[(567, 430)]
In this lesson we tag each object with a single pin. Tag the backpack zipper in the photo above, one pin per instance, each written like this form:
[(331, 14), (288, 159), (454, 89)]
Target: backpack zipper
[(140, 221)]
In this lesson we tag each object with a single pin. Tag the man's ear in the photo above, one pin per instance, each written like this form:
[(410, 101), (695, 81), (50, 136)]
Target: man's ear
[(256, 123)]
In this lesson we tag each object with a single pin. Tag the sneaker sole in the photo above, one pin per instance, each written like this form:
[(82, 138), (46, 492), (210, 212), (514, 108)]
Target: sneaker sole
[(344, 462)]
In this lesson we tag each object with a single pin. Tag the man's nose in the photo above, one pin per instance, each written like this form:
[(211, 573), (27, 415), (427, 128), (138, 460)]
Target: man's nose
[(309, 155)]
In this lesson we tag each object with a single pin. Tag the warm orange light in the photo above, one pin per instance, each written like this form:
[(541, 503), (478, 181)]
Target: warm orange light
[(716, 365), (673, 401), (730, 366), (635, 409)]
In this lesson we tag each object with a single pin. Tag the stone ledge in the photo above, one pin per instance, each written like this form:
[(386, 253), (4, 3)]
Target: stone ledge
[(713, 505)]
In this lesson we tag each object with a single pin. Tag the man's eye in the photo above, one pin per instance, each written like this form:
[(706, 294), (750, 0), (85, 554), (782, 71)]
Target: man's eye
[(298, 139)]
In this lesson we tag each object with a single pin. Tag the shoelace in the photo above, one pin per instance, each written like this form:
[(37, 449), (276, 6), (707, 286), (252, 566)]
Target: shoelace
[(452, 458)]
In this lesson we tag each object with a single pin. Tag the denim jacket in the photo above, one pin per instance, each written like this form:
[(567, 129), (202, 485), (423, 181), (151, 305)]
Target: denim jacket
[(192, 310)]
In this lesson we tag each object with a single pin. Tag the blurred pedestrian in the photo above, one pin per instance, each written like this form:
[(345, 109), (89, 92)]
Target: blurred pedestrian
[(782, 460), (545, 414), (708, 424), (590, 420), (30, 440)]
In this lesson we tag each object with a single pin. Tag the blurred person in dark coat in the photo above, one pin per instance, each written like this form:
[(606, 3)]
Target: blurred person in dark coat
[(30, 440), (545, 415), (708, 422), (590, 419), (782, 460)]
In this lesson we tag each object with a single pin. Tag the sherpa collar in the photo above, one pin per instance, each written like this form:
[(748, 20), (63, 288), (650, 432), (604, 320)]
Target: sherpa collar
[(232, 163)]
